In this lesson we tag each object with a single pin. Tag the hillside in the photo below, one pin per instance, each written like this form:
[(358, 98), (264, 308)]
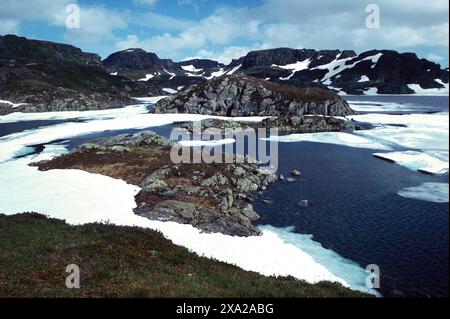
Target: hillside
[(125, 262), (46, 76)]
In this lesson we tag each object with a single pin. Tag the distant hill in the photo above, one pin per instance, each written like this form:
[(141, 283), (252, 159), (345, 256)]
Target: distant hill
[(346, 72)]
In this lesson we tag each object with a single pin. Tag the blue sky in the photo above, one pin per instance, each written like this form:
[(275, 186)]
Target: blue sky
[(223, 30)]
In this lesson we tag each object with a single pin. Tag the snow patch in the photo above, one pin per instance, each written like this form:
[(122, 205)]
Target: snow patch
[(207, 143), (364, 78), (190, 68), (151, 99), (371, 91), (432, 162), (346, 269), (429, 192), (169, 90), (337, 138), (147, 77), (11, 104), (234, 69), (295, 67), (216, 74), (436, 91), (172, 75)]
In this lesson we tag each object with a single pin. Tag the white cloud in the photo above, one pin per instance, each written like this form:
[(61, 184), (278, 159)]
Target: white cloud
[(327, 24), (156, 21), (9, 26), (434, 57), (96, 24), (227, 54), (145, 2)]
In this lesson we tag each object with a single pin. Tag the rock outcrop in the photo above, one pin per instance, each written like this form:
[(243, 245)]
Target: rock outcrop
[(235, 95), (214, 198)]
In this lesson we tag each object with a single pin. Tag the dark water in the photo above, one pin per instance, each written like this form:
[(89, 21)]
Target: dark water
[(16, 127), (419, 104), (355, 211)]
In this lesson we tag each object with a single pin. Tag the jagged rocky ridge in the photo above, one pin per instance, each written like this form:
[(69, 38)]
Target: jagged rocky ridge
[(237, 95), (375, 71), (213, 198), (46, 76)]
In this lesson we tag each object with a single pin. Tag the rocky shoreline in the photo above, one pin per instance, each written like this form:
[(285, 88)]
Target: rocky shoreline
[(213, 197), (284, 125)]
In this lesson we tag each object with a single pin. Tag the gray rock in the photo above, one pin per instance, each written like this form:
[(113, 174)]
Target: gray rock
[(159, 174), (237, 95), (216, 179), (227, 200), (239, 171), (120, 149), (184, 210), (303, 203), (296, 172), (246, 185), (248, 212)]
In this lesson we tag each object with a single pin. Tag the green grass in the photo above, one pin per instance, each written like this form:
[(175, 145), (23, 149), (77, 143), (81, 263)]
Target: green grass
[(125, 262)]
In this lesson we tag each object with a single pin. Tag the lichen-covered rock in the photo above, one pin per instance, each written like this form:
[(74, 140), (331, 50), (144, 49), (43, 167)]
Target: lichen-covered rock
[(238, 95)]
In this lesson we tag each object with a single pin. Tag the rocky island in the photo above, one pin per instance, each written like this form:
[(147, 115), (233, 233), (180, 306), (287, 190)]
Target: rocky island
[(290, 109), (213, 198)]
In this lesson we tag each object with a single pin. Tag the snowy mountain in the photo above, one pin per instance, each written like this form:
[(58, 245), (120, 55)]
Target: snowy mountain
[(376, 71), (346, 72)]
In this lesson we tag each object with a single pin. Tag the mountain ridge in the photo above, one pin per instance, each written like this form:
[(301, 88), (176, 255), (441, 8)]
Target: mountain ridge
[(343, 71)]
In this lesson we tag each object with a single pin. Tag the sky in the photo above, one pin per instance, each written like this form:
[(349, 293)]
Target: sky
[(223, 30)]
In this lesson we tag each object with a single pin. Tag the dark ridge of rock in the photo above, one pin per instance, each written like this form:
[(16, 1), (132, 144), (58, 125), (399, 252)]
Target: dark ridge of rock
[(137, 63), (308, 124), (13, 47), (213, 197), (345, 71), (237, 95), (283, 56), (50, 76), (202, 64)]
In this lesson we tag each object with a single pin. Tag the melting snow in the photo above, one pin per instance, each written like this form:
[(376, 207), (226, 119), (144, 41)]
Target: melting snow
[(216, 74), (11, 104), (190, 68), (338, 138), (436, 91), (363, 78), (172, 75), (429, 162), (169, 90), (147, 77), (295, 67), (430, 192)]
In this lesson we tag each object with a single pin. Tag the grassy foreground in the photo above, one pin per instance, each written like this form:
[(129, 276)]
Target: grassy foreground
[(125, 262)]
